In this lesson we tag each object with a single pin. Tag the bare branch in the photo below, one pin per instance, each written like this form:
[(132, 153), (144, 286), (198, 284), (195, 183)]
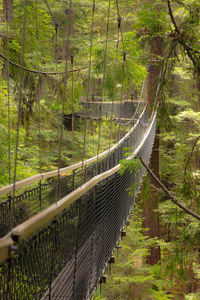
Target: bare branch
[(190, 156), (188, 211), (187, 48)]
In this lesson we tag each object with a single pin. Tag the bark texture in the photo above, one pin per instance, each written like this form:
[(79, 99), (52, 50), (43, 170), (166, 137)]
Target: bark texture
[(8, 10), (150, 214)]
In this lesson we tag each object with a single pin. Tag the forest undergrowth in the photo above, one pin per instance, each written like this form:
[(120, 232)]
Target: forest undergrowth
[(130, 278)]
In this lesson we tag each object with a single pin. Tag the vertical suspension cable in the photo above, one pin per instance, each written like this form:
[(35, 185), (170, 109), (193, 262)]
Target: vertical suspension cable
[(119, 16), (10, 269), (123, 66), (64, 99), (72, 91), (19, 111), (104, 75), (119, 20), (122, 92), (39, 107), (38, 92), (56, 27), (8, 93), (89, 83), (56, 57)]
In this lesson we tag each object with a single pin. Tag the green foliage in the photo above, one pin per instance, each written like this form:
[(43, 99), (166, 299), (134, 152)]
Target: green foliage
[(178, 117), (130, 278), (132, 165)]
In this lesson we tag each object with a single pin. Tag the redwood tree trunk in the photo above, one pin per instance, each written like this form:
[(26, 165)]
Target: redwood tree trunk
[(8, 18), (8, 10), (150, 214)]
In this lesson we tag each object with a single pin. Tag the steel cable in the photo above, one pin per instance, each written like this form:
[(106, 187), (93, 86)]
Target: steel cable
[(104, 75), (19, 111)]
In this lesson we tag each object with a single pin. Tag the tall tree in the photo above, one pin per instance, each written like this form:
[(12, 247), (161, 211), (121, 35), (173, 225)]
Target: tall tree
[(150, 207), (8, 10)]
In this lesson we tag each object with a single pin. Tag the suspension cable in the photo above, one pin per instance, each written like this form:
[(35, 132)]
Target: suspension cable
[(122, 91), (121, 31), (38, 92), (123, 66), (58, 187), (104, 74), (72, 105), (8, 94), (37, 71), (64, 98), (119, 20), (122, 39), (89, 82), (19, 112), (139, 103)]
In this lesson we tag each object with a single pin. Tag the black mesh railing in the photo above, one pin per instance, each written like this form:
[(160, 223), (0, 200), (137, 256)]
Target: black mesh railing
[(66, 258), (35, 199)]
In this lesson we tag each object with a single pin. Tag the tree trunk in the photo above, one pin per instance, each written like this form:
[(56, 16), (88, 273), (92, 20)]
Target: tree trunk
[(150, 206), (150, 214), (8, 10), (8, 18), (69, 28)]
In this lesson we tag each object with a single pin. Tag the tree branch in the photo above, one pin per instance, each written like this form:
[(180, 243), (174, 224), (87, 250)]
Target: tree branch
[(172, 17), (190, 156), (188, 211), (181, 40)]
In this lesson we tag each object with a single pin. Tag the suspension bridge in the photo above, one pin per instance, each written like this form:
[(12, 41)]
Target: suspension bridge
[(59, 228)]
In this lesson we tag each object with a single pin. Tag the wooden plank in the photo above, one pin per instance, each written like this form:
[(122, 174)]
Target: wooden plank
[(5, 245)]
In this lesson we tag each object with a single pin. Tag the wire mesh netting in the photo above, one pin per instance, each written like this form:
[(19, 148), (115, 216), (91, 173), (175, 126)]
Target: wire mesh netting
[(114, 110), (66, 258), (36, 198)]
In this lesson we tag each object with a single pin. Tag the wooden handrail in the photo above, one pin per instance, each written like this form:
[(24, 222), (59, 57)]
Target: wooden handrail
[(28, 227), (22, 183)]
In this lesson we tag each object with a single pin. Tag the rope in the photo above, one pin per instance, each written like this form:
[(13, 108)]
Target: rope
[(37, 71), (104, 74), (8, 91), (58, 189), (139, 103), (39, 109), (122, 91), (89, 82), (38, 94), (56, 55), (119, 17), (72, 91), (19, 113), (114, 72), (64, 98)]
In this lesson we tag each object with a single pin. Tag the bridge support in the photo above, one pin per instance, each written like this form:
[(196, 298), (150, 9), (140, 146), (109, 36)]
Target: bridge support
[(150, 206), (150, 214)]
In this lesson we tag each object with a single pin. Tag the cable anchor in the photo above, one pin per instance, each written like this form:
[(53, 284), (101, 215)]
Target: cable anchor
[(119, 20), (124, 56), (56, 27), (72, 59)]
